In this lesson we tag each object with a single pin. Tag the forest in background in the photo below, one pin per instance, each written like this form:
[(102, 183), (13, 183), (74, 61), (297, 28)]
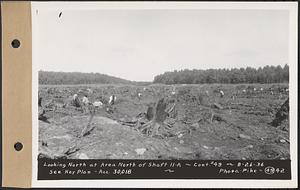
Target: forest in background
[(74, 78), (50, 77), (267, 74)]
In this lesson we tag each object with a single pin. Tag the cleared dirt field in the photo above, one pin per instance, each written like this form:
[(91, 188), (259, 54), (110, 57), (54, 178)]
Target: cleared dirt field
[(202, 125)]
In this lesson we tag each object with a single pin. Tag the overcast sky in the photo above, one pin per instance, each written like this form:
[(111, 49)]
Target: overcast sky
[(139, 44)]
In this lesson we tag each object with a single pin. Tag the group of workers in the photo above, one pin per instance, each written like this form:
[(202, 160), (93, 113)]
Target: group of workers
[(85, 101)]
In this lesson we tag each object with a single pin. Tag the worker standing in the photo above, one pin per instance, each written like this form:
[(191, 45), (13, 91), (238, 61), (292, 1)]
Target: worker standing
[(76, 101), (221, 93), (85, 100), (112, 99), (139, 96)]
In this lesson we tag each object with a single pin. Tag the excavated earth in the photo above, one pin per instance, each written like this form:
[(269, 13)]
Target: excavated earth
[(239, 125)]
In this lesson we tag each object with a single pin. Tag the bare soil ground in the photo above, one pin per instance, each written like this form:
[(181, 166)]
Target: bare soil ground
[(203, 125)]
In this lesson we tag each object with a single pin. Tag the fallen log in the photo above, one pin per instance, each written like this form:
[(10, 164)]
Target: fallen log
[(218, 106)]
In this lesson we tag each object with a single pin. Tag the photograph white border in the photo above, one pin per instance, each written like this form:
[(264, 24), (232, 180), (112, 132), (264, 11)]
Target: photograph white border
[(292, 7)]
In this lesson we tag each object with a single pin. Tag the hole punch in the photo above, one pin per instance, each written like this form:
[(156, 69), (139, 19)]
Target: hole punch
[(15, 43), (18, 146)]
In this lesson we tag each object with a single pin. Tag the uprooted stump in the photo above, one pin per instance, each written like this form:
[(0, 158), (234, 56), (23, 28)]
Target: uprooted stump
[(172, 111), (157, 115), (281, 114)]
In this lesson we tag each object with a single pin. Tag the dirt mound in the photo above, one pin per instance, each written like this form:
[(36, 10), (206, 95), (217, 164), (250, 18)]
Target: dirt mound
[(109, 140)]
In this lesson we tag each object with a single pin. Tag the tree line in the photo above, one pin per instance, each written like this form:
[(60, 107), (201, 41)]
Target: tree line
[(57, 78), (267, 74), (74, 78)]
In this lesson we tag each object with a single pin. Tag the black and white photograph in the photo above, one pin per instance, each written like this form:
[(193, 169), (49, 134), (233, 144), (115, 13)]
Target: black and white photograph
[(163, 84)]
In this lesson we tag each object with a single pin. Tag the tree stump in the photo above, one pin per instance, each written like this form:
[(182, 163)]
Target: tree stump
[(88, 127), (150, 113), (157, 116), (282, 114), (40, 102), (42, 116), (160, 113)]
